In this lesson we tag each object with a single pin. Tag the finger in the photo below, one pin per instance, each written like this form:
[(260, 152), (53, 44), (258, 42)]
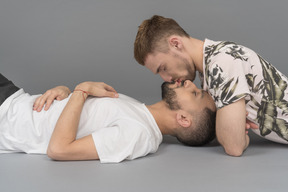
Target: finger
[(36, 103), (247, 126), (111, 94), (110, 88), (59, 98), (48, 103), (42, 102), (110, 91), (38, 107), (62, 96), (252, 125)]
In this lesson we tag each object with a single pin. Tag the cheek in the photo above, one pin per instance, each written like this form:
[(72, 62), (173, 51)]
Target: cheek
[(183, 69), (211, 104), (177, 69), (188, 101)]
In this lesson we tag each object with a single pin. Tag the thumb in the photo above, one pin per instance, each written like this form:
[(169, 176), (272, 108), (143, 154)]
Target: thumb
[(252, 125), (59, 98), (112, 94)]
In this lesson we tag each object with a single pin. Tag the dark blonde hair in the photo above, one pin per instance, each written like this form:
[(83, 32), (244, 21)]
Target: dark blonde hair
[(152, 36)]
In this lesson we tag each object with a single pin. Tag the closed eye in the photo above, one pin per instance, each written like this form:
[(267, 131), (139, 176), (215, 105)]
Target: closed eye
[(158, 70), (161, 68)]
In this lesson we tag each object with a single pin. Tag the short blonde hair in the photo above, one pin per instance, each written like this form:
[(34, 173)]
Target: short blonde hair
[(152, 36)]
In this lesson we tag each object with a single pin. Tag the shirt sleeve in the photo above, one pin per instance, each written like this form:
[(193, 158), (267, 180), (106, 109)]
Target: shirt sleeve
[(228, 78), (121, 141)]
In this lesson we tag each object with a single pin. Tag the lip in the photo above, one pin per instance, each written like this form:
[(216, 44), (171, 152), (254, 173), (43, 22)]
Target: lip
[(174, 84), (178, 83)]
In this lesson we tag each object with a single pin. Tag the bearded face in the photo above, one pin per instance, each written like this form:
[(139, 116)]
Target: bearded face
[(169, 96)]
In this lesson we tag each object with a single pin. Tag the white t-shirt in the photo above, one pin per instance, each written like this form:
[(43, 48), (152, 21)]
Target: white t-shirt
[(122, 128), (232, 72)]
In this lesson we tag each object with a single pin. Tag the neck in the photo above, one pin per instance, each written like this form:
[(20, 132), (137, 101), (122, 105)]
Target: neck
[(164, 122), (195, 50)]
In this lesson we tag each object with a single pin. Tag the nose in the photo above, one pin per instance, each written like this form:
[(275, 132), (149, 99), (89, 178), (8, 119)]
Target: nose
[(166, 78), (190, 84)]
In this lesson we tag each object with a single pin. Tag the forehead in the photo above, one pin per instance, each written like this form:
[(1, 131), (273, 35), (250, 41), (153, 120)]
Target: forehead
[(153, 61)]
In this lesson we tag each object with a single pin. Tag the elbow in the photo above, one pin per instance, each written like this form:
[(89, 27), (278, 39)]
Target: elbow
[(234, 151), (55, 153)]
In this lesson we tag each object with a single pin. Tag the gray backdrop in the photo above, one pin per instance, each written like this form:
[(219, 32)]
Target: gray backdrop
[(44, 43), (48, 43)]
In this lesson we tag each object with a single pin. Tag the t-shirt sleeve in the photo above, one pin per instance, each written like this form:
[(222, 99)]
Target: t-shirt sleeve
[(121, 141), (228, 79)]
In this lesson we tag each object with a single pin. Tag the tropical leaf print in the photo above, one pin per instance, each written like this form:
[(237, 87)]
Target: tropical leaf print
[(268, 88), (237, 52), (272, 101), (228, 92), (216, 78), (251, 81)]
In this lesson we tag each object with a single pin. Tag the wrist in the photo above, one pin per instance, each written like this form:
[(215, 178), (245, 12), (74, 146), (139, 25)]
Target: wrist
[(84, 94)]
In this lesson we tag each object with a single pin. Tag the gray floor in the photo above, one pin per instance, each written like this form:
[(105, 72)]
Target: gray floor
[(174, 167)]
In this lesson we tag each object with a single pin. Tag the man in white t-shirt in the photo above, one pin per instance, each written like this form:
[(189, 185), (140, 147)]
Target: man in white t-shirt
[(238, 79), (83, 126)]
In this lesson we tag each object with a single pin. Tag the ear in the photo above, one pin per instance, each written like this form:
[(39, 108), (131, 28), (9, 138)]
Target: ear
[(184, 119), (175, 42)]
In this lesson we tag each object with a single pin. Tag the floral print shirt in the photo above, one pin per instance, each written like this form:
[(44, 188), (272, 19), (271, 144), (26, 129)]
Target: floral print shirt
[(232, 72)]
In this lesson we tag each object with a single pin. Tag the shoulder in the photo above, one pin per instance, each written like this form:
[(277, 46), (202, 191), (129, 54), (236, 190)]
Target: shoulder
[(225, 51), (226, 58), (127, 99)]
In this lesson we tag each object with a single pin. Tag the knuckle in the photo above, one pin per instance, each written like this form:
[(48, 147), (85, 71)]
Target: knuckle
[(36, 101), (49, 92), (41, 101), (49, 100)]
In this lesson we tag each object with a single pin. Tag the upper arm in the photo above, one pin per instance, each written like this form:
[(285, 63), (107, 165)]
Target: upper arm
[(80, 149), (230, 128), (127, 140), (226, 79)]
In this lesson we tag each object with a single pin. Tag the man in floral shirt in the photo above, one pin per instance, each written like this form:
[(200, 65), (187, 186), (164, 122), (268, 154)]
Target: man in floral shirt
[(233, 72), (238, 79)]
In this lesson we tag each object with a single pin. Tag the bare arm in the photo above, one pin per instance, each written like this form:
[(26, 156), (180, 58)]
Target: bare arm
[(63, 144), (230, 128)]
